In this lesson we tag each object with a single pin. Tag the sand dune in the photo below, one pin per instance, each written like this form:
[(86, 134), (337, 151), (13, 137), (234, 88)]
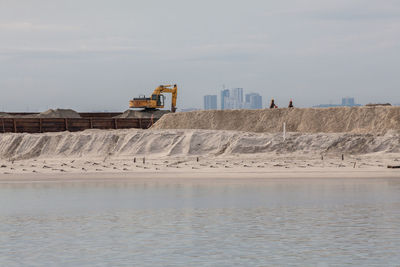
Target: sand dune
[(175, 143), (376, 120)]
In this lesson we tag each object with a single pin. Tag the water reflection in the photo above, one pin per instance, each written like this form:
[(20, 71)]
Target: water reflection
[(209, 223)]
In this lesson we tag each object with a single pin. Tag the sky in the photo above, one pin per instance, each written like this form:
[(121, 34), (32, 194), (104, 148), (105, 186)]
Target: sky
[(95, 55)]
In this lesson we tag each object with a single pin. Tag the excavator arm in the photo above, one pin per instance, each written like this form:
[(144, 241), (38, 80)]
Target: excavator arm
[(173, 89)]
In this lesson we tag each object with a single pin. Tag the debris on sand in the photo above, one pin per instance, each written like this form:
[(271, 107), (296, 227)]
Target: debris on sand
[(393, 166), (378, 104)]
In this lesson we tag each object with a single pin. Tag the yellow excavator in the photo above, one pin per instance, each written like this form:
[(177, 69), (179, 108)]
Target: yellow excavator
[(157, 98)]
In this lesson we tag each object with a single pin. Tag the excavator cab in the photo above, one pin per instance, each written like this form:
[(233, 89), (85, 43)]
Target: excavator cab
[(160, 99)]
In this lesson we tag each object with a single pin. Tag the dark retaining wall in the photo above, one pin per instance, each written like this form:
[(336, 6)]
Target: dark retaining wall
[(41, 125)]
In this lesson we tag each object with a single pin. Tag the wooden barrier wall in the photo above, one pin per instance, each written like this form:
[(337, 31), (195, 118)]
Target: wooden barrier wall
[(37, 125), (82, 114)]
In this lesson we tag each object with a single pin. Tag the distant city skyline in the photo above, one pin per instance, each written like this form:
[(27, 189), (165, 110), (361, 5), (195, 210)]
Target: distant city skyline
[(227, 99), (346, 102), (233, 99)]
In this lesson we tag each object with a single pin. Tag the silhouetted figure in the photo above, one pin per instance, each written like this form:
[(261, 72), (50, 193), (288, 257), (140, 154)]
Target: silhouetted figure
[(273, 104), (290, 104)]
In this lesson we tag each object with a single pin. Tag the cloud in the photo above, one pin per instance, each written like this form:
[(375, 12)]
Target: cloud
[(349, 15), (224, 57), (246, 50), (27, 26), (30, 54), (83, 49), (356, 10)]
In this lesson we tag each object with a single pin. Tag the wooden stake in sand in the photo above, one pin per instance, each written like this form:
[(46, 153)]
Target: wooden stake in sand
[(342, 156), (134, 160), (144, 160), (393, 167)]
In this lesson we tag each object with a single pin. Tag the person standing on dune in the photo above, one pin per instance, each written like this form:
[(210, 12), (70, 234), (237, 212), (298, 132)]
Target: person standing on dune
[(272, 105)]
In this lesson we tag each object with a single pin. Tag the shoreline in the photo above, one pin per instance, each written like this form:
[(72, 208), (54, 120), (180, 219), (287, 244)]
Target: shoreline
[(291, 166), (186, 175)]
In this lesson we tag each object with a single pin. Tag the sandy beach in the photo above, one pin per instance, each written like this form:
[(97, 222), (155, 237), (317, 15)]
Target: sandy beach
[(274, 166)]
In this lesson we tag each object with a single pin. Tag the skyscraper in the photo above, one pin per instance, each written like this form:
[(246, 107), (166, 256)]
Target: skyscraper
[(210, 102), (237, 98), (253, 101), (348, 101), (224, 96), (233, 99)]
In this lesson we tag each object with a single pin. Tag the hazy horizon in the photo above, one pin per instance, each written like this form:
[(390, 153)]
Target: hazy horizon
[(96, 55)]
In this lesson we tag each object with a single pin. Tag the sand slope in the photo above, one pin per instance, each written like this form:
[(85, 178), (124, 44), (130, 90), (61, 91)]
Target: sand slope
[(159, 143), (130, 113), (303, 120)]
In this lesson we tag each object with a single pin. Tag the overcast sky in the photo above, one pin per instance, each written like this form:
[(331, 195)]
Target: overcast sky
[(97, 54)]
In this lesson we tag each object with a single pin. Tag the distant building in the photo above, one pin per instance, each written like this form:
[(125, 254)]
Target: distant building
[(237, 98), (346, 102), (327, 106), (232, 99), (187, 109), (228, 103), (210, 102), (225, 94), (253, 101)]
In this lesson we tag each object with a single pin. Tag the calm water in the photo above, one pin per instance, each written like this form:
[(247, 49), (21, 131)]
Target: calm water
[(308, 222)]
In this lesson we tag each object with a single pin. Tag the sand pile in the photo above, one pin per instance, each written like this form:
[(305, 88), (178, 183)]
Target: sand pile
[(4, 115), (55, 113), (303, 120), (51, 113), (59, 113), (160, 143), (142, 114)]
